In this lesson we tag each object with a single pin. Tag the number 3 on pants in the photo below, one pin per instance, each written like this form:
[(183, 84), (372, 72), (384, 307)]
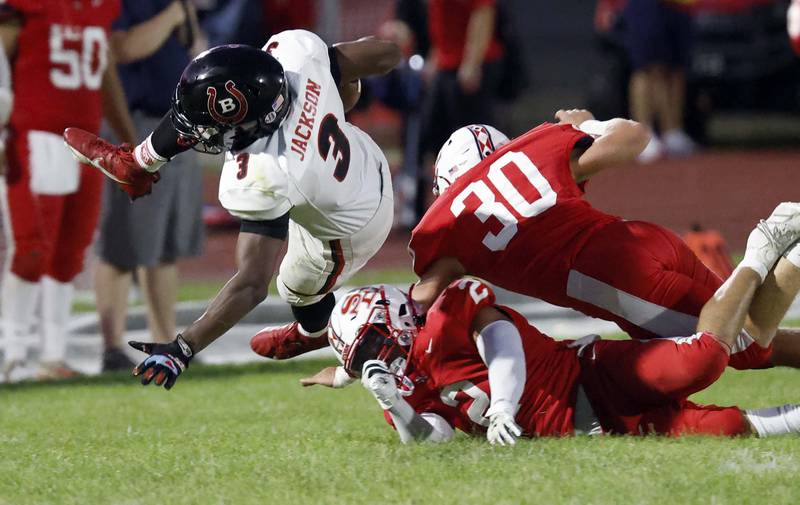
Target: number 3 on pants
[(491, 207)]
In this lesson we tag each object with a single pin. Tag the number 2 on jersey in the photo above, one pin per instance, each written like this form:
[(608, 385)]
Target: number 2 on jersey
[(464, 391), (333, 142), (490, 206)]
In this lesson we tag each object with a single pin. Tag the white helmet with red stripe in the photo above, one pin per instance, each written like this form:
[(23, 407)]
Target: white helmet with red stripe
[(373, 322), (465, 148)]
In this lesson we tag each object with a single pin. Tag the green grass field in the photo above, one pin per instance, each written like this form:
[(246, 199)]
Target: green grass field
[(251, 434)]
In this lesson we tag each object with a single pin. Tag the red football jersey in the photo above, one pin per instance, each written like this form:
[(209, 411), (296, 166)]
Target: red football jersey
[(517, 219), (62, 54), (452, 381)]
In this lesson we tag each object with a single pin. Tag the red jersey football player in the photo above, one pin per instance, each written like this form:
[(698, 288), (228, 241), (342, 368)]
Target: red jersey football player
[(61, 72), (483, 368), (513, 213)]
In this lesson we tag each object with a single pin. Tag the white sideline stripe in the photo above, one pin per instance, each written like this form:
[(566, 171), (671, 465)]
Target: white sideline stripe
[(653, 318)]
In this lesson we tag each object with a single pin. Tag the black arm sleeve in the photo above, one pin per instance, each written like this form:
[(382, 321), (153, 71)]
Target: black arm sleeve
[(333, 55), (166, 140), (276, 228)]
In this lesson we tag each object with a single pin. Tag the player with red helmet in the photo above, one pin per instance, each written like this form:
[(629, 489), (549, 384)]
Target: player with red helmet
[(482, 368), (62, 73), (513, 213)]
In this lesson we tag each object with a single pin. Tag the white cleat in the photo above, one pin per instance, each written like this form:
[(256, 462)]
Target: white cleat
[(772, 237)]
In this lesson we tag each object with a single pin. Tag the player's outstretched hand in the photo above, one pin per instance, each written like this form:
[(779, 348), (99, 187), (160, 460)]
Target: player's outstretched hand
[(165, 362), (503, 429), (573, 116), (322, 378), (377, 379), (332, 377)]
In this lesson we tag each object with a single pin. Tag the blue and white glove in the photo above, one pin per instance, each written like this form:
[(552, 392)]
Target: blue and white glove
[(377, 379), (503, 429), (165, 362)]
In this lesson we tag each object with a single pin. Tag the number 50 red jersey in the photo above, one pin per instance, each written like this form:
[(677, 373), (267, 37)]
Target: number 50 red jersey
[(517, 219), (61, 57)]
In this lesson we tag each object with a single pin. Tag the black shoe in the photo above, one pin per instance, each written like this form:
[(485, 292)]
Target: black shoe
[(115, 360)]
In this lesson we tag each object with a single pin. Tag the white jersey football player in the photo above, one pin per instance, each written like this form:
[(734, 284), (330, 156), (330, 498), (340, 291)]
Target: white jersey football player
[(293, 168)]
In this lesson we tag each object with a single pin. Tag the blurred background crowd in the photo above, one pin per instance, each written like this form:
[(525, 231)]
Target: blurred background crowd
[(703, 74)]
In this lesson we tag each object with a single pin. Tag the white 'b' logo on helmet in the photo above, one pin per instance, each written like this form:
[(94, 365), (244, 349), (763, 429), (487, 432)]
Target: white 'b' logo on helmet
[(227, 105)]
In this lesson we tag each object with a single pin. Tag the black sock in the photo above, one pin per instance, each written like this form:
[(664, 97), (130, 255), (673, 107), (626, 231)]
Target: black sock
[(314, 317), (166, 140)]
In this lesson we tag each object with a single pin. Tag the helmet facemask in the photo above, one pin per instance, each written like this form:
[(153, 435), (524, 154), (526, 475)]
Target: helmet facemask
[(384, 338)]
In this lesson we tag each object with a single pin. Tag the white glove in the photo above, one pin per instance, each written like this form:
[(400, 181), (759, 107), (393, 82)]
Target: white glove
[(376, 378), (503, 429)]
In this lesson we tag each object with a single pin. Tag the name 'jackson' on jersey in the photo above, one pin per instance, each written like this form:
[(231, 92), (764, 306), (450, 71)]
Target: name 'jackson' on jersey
[(322, 170)]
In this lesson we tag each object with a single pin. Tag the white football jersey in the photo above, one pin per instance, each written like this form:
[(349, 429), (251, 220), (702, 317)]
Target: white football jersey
[(322, 170)]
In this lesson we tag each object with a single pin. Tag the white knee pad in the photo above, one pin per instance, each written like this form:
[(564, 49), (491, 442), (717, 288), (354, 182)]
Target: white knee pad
[(294, 296)]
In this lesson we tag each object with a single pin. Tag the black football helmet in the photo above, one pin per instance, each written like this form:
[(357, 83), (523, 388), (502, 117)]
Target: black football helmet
[(229, 97)]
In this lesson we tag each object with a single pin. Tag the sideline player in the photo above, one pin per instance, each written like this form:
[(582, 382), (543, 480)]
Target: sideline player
[(63, 74), (513, 213), (483, 368), (294, 167)]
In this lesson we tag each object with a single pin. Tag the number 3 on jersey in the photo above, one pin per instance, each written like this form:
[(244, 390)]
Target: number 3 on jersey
[(521, 204), (333, 142)]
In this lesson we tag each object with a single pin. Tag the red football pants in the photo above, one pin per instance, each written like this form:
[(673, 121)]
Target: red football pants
[(644, 278), (639, 387), (50, 232)]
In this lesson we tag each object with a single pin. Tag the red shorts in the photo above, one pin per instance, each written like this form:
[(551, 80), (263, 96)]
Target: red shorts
[(644, 278), (49, 233), (639, 387)]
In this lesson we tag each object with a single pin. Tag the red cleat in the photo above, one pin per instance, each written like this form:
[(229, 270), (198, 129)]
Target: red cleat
[(116, 162), (285, 342)]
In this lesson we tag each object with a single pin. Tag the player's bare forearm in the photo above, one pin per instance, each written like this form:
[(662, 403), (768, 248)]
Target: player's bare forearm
[(9, 33), (115, 106), (479, 35), (256, 259), (621, 142), (145, 38), (435, 280), (366, 57), (236, 299)]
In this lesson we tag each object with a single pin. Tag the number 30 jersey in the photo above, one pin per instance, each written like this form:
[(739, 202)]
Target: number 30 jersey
[(517, 219), (452, 381), (326, 172), (61, 57)]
